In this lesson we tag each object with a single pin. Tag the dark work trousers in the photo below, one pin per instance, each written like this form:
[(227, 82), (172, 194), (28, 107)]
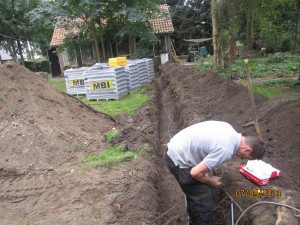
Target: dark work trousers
[(199, 196)]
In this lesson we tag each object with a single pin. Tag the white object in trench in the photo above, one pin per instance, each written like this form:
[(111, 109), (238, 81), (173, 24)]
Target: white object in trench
[(261, 169), (164, 58)]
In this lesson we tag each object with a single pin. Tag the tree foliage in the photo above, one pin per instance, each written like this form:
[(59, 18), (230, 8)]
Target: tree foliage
[(16, 27), (191, 20), (273, 22)]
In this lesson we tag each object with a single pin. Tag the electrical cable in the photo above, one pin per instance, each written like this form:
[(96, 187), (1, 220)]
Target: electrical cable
[(266, 202)]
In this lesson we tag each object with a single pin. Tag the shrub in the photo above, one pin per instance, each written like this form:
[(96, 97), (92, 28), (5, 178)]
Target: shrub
[(38, 66)]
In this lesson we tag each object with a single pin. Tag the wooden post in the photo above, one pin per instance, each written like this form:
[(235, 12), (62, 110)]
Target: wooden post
[(257, 130)]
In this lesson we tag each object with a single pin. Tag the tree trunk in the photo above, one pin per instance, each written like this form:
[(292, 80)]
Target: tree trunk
[(29, 52), (21, 52), (216, 36), (11, 49), (131, 47), (296, 27), (96, 44), (250, 13), (232, 49), (111, 50), (103, 47)]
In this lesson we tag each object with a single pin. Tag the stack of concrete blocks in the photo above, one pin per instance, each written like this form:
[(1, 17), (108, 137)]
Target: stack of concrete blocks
[(107, 83), (132, 76), (150, 67), (142, 70), (74, 80), (98, 66)]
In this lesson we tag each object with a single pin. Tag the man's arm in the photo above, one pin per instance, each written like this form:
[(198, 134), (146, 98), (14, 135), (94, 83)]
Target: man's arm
[(199, 173)]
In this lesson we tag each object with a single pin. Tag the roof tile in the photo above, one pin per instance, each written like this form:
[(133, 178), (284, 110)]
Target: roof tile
[(162, 24)]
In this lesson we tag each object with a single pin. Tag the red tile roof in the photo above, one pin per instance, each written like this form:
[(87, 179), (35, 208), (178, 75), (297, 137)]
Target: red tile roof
[(60, 33), (162, 24)]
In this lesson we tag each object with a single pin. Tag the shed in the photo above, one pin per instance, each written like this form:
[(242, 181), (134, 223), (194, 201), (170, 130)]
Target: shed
[(162, 26)]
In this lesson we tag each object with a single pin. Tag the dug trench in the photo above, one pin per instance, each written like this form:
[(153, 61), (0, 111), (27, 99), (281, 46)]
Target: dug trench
[(45, 135)]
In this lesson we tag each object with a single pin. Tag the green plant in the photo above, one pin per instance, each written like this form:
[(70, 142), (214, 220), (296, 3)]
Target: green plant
[(110, 135), (113, 156), (276, 65), (38, 65), (144, 148), (280, 57)]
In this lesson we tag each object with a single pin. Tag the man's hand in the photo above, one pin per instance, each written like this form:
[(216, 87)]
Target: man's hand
[(199, 173), (214, 181)]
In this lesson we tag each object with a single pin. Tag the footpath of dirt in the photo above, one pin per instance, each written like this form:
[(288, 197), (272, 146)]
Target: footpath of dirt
[(200, 97)]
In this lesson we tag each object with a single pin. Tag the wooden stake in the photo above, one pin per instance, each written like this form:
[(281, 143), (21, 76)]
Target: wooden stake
[(257, 130)]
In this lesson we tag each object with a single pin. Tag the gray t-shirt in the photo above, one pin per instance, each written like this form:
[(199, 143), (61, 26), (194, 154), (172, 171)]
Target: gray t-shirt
[(213, 142)]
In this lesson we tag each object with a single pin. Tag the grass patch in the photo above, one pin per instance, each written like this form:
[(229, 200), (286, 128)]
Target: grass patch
[(273, 88), (58, 83), (110, 135), (144, 149), (278, 70), (113, 156), (128, 104)]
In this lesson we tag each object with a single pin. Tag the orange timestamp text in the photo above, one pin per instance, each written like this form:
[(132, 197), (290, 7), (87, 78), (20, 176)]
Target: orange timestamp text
[(258, 193)]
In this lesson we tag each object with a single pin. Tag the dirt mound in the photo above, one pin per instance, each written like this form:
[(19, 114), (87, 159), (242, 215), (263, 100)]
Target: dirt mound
[(40, 127), (205, 96), (200, 97), (44, 137)]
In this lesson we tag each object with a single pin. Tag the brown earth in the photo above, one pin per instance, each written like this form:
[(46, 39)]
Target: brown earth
[(45, 135)]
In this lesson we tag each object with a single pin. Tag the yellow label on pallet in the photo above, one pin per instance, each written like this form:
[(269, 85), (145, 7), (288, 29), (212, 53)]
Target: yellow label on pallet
[(77, 82), (101, 85)]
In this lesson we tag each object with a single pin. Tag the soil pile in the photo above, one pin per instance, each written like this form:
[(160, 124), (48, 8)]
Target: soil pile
[(44, 137), (40, 127), (200, 97)]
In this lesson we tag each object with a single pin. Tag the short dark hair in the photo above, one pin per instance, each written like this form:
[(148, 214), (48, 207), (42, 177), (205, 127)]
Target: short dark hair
[(257, 145)]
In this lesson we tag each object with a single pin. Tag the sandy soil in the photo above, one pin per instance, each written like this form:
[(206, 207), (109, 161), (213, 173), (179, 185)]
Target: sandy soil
[(45, 134)]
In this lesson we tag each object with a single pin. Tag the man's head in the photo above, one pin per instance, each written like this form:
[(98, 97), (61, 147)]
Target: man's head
[(251, 147)]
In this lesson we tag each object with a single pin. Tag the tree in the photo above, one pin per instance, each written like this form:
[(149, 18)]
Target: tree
[(191, 20), (99, 18), (135, 16), (216, 46), (16, 28)]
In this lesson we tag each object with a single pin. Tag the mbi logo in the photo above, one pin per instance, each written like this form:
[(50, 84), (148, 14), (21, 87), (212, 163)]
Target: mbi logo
[(77, 82), (101, 85)]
